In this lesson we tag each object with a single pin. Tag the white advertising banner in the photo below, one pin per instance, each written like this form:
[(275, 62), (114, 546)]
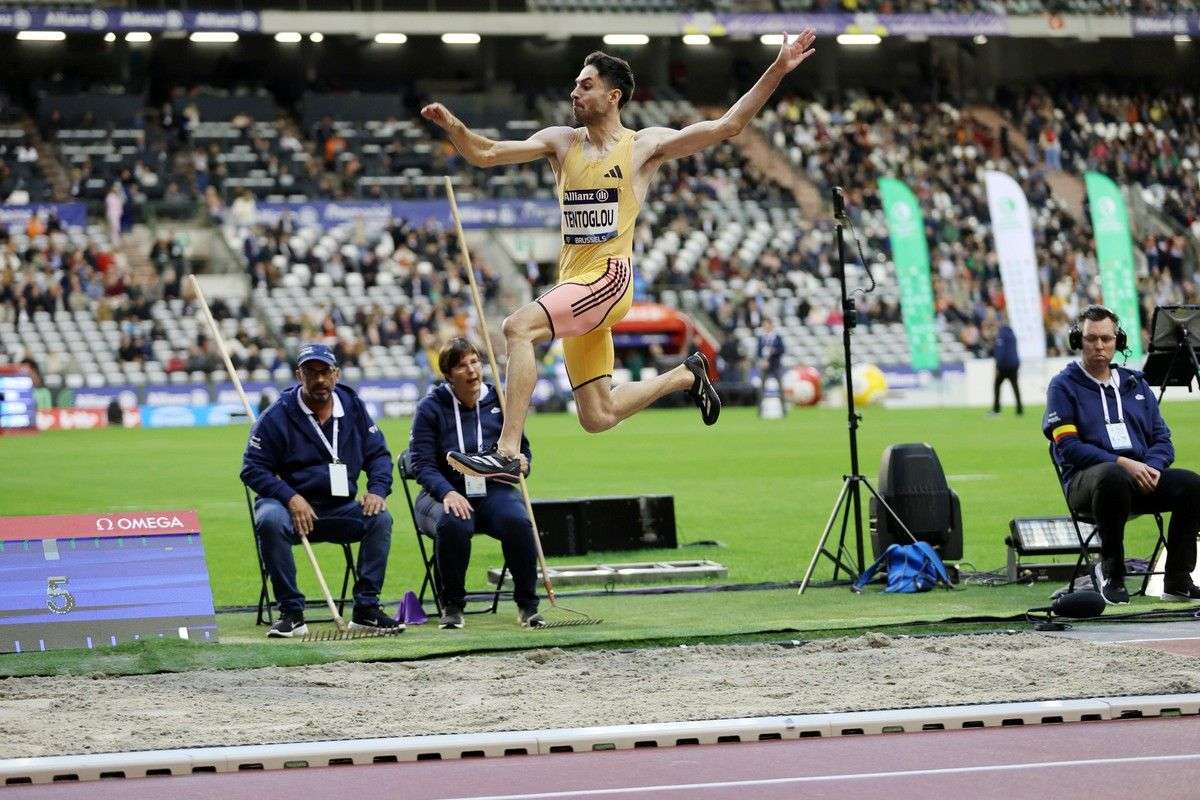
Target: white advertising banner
[(1013, 234)]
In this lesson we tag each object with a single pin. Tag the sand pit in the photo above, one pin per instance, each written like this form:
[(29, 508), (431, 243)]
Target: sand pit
[(565, 688)]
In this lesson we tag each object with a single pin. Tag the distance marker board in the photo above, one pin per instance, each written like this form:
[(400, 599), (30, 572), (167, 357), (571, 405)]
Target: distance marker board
[(99, 580)]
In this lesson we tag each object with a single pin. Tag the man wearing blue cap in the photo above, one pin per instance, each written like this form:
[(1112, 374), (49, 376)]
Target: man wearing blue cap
[(303, 460)]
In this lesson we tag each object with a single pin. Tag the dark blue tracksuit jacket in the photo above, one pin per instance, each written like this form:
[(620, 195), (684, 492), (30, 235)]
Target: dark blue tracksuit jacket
[(1006, 349), (1075, 421), (285, 457), (434, 434)]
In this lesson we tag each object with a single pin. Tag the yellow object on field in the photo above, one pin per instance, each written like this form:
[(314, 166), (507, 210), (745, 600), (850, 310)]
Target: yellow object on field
[(870, 384)]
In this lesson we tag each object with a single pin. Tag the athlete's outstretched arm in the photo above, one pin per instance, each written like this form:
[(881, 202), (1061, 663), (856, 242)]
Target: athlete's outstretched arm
[(481, 151), (670, 144)]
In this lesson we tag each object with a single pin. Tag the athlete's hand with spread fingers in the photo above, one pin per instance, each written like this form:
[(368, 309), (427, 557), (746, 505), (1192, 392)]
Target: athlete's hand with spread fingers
[(438, 114), (454, 503), (792, 54)]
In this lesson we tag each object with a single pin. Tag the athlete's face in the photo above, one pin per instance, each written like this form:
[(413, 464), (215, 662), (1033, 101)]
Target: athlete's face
[(465, 377), (592, 97)]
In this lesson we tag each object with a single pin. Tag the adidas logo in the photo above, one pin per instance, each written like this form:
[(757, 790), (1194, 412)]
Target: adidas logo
[(615, 172)]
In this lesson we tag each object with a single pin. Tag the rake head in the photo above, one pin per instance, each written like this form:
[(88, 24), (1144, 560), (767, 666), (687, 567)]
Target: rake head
[(570, 623), (579, 619), (336, 635)]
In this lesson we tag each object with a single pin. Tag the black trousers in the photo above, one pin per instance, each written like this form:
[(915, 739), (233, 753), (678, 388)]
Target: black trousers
[(1009, 375), (502, 515), (1108, 494)]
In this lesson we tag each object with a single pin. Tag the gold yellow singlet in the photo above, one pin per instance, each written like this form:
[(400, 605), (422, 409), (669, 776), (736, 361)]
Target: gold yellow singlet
[(595, 280)]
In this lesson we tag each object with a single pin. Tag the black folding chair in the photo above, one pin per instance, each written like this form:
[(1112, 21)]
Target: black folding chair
[(265, 603), (432, 579), (1091, 542)]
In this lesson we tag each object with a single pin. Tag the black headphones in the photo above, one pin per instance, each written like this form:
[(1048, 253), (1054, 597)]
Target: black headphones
[(1095, 313)]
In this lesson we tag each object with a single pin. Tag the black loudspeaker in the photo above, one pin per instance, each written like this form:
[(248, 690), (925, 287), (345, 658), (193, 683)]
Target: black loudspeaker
[(913, 484), (577, 525)]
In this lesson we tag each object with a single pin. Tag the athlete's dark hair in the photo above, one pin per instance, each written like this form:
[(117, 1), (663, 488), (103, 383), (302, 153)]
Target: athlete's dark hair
[(452, 353), (616, 72)]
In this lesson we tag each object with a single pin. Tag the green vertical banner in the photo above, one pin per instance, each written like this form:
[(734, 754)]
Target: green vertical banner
[(1114, 251), (910, 252)]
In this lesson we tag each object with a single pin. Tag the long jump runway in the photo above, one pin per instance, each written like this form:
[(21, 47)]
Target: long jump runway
[(1155, 757)]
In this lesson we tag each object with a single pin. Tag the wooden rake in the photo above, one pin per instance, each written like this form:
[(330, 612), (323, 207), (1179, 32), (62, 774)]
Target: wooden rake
[(343, 631), (577, 618)]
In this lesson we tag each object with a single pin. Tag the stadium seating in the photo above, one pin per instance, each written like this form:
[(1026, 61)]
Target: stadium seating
[(1151, 141), (941, 151), (74, 306), (21, 178), (384, 295), (715, 238)]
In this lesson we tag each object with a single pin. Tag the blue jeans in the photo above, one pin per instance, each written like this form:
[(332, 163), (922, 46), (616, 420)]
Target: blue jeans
[(501, 514), (277, 535)]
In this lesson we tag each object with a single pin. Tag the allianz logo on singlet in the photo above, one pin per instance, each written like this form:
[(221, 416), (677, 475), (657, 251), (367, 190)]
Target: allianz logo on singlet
[(589, 216)]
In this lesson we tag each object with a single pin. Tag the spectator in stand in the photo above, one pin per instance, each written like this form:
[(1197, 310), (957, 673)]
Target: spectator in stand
[(167, 253), (243, 214), (114, 209)]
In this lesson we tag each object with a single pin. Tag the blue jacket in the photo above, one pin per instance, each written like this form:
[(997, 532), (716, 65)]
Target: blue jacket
[(285, 457), (1006, 349), (434, 434), (771, 348), (1075, 421)]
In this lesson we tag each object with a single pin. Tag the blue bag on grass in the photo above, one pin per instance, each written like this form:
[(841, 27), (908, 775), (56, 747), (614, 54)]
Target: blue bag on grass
[(911, 568)]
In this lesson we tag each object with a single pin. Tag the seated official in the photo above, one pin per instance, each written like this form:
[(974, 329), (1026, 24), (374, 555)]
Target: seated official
[(1115, 453), (303, 460), (463, 414)]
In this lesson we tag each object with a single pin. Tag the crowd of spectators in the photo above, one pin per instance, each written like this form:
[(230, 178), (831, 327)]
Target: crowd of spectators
[(181, 158), (419, 293), (42, 268), (1148, 139), (941, 152)]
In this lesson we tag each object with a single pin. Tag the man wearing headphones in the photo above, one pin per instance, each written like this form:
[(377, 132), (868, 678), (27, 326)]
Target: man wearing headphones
[(1115, 453)]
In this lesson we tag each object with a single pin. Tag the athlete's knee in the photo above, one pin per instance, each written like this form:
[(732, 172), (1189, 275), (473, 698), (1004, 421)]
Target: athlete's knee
[(521, 327), (596, 420), (513, 328)]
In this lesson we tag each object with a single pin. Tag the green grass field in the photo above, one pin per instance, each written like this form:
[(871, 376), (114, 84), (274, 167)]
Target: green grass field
[(763, 489)]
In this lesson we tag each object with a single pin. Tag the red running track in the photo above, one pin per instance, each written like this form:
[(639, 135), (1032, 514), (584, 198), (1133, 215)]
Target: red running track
[(1152, 758)]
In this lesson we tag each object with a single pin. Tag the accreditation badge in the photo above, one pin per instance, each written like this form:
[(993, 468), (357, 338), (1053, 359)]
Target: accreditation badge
[(339, 480), (1118, 436)]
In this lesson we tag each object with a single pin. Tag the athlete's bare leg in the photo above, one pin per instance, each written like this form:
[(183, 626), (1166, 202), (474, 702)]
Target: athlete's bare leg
[(526, 327), (601, 406)]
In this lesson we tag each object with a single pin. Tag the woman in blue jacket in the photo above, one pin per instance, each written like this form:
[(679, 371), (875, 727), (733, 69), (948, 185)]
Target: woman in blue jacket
[(463, 414)]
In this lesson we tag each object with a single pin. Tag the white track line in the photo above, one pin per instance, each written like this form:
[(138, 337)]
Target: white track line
[(499, 744), (849, 776)]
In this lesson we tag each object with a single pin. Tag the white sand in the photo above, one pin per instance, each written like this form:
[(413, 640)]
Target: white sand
[(556, 688)]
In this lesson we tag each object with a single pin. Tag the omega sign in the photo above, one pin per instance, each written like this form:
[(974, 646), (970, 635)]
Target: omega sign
[(138, 523)]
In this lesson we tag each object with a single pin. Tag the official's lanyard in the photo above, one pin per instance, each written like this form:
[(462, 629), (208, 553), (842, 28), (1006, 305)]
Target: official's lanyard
[(332, 448), (1114, 380), (462, 447)]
